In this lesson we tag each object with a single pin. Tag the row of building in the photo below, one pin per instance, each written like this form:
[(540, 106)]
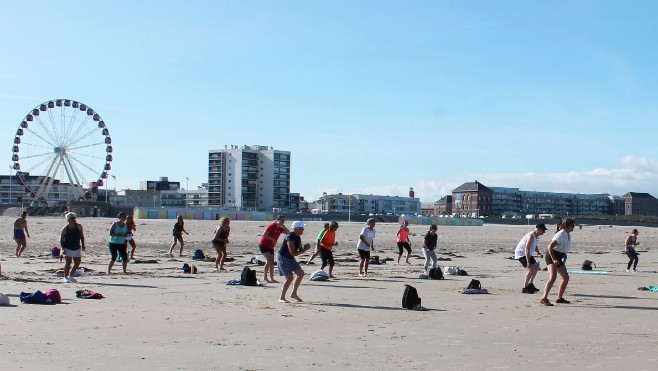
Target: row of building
[(257, 178), (474, 199)]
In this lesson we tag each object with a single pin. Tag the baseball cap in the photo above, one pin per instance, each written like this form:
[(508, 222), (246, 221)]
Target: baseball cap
[(541, 226), (298, 224)]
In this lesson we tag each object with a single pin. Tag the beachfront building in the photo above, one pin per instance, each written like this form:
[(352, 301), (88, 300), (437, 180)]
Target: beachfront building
[(196, 197), (161, 193), (168, 194), (159, 185), (440, 207), (636, 203), (249, 178), (143, 198), (358, 204), (519, 202), (474, 199), (13, 193)]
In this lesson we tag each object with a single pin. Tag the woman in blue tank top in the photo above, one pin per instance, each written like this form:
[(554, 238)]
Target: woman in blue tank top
[(118, 233)]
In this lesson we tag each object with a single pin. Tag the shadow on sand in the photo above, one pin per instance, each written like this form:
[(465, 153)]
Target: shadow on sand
[(379, 307)]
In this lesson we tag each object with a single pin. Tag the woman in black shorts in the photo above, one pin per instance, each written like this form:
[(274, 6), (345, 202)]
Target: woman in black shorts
[(219, 242)]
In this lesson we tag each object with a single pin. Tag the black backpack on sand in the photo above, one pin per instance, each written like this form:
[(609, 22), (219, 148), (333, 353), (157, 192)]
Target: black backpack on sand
[(248, 277), (410, 299), (475, 284), (436, 274), (587, 265)]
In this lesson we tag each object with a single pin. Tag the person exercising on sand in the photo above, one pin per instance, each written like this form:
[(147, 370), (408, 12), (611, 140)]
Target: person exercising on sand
[(21, 234), (286, 263)]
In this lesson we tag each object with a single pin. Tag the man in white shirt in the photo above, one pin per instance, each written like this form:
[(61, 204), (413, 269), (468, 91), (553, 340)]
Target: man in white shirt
[(523, 253)]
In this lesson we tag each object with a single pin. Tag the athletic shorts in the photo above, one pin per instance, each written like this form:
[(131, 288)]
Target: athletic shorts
[(218, 244), (286, 266), (19, 234), (559, 256), (73, 253), (265, 250), (364, 254), (524, 263)]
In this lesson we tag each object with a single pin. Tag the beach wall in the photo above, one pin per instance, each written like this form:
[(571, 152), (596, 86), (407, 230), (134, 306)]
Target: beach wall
[(456, 222), (196, 214), (418, 220)]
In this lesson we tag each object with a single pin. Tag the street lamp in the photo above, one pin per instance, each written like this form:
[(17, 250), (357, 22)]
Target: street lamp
[(187, 189), (9, 198), (115, 184)]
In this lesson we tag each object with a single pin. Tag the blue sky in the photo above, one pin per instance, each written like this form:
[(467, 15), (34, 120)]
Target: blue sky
[(370, 97)]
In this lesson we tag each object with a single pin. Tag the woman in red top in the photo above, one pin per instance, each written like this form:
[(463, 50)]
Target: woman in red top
[(268, 241), (403, 241), (327, 242)]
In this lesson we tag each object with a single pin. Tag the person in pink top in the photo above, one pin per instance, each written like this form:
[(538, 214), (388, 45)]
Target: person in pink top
[(403, 241), (267, 242)]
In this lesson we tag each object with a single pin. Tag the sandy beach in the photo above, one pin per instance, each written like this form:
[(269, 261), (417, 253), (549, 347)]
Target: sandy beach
[(157, 317)]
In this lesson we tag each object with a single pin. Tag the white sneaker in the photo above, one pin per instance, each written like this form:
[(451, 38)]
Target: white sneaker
[(66, 280), (72, 279)]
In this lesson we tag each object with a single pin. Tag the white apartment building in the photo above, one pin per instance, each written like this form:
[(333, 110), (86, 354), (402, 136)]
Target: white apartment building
[(369, 204), (249, 178)]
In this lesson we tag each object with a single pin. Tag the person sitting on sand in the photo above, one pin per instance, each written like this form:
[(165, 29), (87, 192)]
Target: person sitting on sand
[(266, 244), (179, 229), (557, 248), (117, 242), (219, 242), (631, 242), (21, 234), (327, 243), (365, 246), (403, 241), (430, 243), (523, 253), (72, 240), (317, 243), (286, 263)]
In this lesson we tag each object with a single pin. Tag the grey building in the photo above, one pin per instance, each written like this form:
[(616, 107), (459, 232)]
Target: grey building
[(368, 204), (249, 178)]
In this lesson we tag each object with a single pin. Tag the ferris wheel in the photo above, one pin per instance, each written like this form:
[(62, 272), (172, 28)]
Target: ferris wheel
[(62, 151)]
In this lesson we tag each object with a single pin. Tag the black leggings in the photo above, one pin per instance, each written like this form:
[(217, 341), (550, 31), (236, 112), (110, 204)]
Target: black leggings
[(118, 249), (634, 259), (327, 257), (404, 246)]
